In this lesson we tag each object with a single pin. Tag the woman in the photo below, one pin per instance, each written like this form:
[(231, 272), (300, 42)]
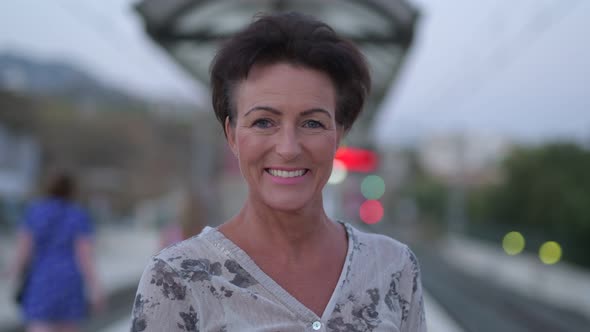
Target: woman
[(286, 89), (55, 242)]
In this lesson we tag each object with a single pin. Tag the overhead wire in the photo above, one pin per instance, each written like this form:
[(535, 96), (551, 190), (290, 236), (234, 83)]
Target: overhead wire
[(463, 66), (537, 25)]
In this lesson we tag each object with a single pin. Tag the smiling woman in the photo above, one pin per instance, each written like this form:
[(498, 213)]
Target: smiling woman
[(285, 89), (285, 135)]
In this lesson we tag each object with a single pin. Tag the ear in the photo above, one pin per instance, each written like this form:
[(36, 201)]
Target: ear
[(231, 136)]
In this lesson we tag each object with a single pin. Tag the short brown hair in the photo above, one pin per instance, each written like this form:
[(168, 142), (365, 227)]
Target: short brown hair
[(297, 39), (61, 185)]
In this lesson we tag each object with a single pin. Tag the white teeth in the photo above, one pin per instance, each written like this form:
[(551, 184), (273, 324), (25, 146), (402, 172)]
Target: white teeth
[(286, 174)]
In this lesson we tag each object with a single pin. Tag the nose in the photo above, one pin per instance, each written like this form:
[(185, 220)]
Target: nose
[(288, 145)]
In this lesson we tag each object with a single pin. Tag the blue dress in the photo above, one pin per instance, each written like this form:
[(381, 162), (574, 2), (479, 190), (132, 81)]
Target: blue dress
[(55, 291)]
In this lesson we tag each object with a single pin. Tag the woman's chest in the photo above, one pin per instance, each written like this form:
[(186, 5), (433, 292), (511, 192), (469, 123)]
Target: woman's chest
[(313, 288), (264, 308)]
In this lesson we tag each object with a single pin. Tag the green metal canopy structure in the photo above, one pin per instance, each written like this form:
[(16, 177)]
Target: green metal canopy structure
[(191, 30)]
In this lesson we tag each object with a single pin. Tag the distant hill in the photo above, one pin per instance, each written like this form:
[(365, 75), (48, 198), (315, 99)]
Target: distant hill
[(54, 78)]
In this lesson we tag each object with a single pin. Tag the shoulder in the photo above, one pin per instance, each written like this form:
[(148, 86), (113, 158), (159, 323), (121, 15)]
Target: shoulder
[(42, 205), (38, 204), (172, 272), (382, 248), (76, 209), (190, 251), (38, 209)]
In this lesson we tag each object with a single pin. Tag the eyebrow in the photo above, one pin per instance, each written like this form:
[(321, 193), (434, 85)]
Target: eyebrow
[(263, 108), (316, 110), (277, 112)]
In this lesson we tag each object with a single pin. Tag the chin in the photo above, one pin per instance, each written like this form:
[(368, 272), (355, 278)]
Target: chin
[(288, 203)]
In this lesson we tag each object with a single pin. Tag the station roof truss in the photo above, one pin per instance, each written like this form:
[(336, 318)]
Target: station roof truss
[(191, 30)]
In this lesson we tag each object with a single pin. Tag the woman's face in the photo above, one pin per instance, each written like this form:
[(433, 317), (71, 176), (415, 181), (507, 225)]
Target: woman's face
[(285, 134)]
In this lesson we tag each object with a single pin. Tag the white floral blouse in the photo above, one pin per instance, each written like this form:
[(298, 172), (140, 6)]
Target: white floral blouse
[(207, 283)]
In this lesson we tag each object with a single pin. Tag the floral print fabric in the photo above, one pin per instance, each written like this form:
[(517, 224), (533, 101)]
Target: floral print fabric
[(207, 283)]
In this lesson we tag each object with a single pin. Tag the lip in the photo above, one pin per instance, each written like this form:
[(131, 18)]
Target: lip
[(286, 168), (287, 181)]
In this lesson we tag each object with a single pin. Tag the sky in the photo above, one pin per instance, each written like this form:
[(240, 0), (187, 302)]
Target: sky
[(520, 69), (516, 69), (105, 38)]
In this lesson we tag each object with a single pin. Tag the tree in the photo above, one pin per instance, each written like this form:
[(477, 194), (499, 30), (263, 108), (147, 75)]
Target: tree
[(546, 189)]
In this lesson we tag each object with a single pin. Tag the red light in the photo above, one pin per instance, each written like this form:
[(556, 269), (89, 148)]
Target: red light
[(371, 212), (357, 160)]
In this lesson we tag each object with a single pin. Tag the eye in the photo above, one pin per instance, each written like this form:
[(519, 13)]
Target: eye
[(262, 123), (313, 124)]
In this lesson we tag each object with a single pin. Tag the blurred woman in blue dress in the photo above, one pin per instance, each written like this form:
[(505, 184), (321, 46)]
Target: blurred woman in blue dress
[(55, 245)]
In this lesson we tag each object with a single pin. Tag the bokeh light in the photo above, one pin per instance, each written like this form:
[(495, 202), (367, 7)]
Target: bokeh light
[(339, 172), (371, 212), (513, 243), (550, 252), (373, 187)]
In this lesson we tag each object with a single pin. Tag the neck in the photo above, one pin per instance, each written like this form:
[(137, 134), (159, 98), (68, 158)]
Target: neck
[(287, 233)]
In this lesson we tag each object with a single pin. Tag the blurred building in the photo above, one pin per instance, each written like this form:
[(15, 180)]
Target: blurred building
[(19, 163), (469, 158), (122, 154), (20, 156)]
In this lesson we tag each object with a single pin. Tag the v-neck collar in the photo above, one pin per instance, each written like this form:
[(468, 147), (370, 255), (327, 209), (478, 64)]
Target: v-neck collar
[(230, 249)]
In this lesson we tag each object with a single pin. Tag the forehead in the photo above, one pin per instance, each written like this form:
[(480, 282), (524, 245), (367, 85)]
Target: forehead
[(286, 86)]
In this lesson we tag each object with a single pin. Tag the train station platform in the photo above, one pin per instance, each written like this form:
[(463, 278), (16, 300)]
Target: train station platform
[(564, 285), (483, 289)]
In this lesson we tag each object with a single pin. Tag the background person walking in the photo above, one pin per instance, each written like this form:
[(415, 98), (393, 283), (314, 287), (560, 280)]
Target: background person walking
[(55, 245)]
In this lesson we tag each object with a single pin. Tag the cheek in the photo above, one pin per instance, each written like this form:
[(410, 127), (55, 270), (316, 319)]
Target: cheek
[(325, 148), (248, 147)]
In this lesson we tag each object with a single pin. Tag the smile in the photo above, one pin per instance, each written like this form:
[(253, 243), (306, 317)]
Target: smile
[(286, 174)]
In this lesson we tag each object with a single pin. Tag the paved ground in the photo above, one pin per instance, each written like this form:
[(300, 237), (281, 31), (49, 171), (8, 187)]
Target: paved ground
[(484, 290), (563, 285)]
